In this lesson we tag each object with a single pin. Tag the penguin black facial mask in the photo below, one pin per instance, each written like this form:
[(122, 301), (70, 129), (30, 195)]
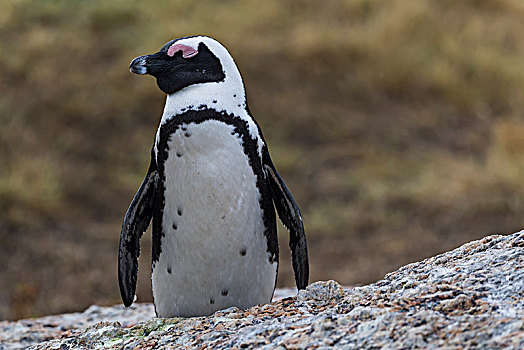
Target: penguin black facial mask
[(177, 66)]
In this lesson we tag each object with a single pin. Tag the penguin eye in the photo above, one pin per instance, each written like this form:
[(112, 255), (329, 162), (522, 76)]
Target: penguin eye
[(187, 51)]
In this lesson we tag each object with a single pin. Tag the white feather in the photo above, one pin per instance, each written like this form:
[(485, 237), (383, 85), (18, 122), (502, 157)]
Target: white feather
[(214, 186)]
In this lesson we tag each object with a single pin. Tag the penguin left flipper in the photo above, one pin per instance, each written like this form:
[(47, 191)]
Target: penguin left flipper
[(135, 223), (289, 214)]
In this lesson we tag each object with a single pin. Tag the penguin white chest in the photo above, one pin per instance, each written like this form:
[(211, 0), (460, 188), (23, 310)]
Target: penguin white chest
[(213, 250)]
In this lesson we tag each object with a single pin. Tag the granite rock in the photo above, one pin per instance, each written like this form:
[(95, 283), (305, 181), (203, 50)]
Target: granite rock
[(471, 297)]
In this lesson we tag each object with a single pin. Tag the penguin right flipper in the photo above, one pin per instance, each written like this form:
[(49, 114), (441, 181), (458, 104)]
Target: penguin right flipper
[(290, 216), (135, 223)]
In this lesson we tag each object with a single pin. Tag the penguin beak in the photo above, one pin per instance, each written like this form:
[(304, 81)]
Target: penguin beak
[(139, 65), (152, 64)]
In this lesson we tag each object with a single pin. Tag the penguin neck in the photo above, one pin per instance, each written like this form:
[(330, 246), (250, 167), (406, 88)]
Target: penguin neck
[(225, 96)]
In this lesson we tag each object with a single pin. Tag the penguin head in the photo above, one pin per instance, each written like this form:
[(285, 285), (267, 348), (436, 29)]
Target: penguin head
[(188, 61)]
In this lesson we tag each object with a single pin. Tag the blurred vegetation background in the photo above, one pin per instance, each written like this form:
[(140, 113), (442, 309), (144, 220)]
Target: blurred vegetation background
[(398, 126)]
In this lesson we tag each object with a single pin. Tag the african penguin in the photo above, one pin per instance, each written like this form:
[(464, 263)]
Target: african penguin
[(211, 191)]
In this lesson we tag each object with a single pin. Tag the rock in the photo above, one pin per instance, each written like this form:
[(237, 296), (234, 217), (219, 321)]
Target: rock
[(471, 297), (20, 334)]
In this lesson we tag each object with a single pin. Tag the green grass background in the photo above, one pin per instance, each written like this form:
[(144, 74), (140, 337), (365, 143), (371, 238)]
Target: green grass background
[(398, 126)]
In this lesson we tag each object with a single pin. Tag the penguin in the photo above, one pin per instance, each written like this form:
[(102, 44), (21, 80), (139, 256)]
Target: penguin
[(210, 191)]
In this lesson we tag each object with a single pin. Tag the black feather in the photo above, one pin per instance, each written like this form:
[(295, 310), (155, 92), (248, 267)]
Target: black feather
[(135, 224), (289, 214)]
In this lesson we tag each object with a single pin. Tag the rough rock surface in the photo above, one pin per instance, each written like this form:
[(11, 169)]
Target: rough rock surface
[(471, 297)]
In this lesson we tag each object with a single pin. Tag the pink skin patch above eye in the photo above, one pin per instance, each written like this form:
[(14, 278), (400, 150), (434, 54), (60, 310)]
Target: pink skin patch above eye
[(187, 51)]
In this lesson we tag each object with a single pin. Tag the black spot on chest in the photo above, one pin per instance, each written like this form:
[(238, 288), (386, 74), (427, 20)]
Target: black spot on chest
[(250, 147)]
